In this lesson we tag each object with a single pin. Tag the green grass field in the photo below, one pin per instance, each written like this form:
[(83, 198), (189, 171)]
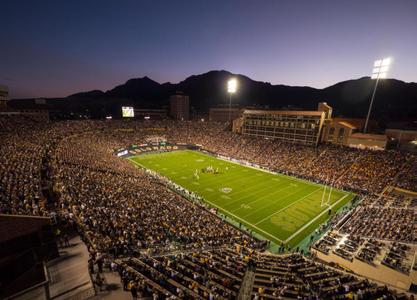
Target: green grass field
[(278, 207)]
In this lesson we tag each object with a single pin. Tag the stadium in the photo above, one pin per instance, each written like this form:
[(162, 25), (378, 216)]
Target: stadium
[(189, 209), (208, 150)]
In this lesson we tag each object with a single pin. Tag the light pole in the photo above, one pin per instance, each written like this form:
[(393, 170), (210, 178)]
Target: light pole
[(231, 89), (380, 71)]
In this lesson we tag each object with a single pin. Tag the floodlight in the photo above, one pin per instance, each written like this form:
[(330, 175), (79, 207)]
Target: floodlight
[(232, 86), (231, 89), (384, 69), (379, 71), (381, 67), (386, 61), (378, 63)]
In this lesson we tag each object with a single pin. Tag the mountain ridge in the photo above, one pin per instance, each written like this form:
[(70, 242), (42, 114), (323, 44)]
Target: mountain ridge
[(240, 75), (394, 99)]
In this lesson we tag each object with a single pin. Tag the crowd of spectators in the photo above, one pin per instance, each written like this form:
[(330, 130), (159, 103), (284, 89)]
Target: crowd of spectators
[(391, 216), (370, 250), (24, 150), (364, 171), (383, 223), (397, 256), (295, 276), (215, 274), (122, 211), (20, 167), (407, 178), (25, 143), (85, 169), (218, 274), (393, 197)]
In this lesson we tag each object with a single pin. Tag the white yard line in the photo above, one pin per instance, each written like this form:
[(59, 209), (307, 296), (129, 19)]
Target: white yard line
[(291, 177), (313, 220), (243, 221), (291, 204), (136, 163), (255, 211), (270, 172), (254, 225), (284, 187), (229, 213)]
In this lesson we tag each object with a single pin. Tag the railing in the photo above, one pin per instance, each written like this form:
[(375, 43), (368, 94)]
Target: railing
[(44, 284)]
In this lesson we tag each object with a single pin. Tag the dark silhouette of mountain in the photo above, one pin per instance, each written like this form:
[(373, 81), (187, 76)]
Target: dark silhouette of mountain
[(209, 89), (394, 100), (93, 93), (137, 89)]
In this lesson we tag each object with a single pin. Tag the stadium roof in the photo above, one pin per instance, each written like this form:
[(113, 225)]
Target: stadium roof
[(283, 112), (347, 124)]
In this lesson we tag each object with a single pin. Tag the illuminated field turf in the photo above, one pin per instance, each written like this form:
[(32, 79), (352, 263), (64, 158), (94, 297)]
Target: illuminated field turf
[(278, 207)]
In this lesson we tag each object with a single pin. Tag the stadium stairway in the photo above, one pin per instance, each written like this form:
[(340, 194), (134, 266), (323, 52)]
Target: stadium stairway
[(68, 274), (245, 291)]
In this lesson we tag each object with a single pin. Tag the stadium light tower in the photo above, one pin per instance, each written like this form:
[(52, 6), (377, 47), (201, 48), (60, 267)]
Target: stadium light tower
[(380, 71), (231, 89)]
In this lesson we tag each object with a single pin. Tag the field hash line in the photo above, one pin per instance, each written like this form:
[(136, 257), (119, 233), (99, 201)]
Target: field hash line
[(289, 205)]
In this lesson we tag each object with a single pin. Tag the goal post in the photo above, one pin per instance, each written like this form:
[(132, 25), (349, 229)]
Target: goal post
[(323, 196), (325, 200)]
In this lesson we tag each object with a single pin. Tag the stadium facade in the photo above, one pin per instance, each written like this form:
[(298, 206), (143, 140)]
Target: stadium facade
[(303, 127), (307, 127)]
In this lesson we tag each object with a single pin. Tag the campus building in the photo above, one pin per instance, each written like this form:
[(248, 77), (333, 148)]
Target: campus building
[(34, 113), (179, 106), (348, 132)]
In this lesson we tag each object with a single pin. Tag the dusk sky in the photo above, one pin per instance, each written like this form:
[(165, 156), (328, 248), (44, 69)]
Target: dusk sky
[(55, 48)]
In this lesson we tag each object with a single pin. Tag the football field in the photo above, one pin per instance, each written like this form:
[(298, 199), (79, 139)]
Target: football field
[(278, 207)]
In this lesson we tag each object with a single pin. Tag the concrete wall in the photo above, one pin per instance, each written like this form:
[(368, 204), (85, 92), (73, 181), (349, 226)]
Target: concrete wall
[(379, 273)]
